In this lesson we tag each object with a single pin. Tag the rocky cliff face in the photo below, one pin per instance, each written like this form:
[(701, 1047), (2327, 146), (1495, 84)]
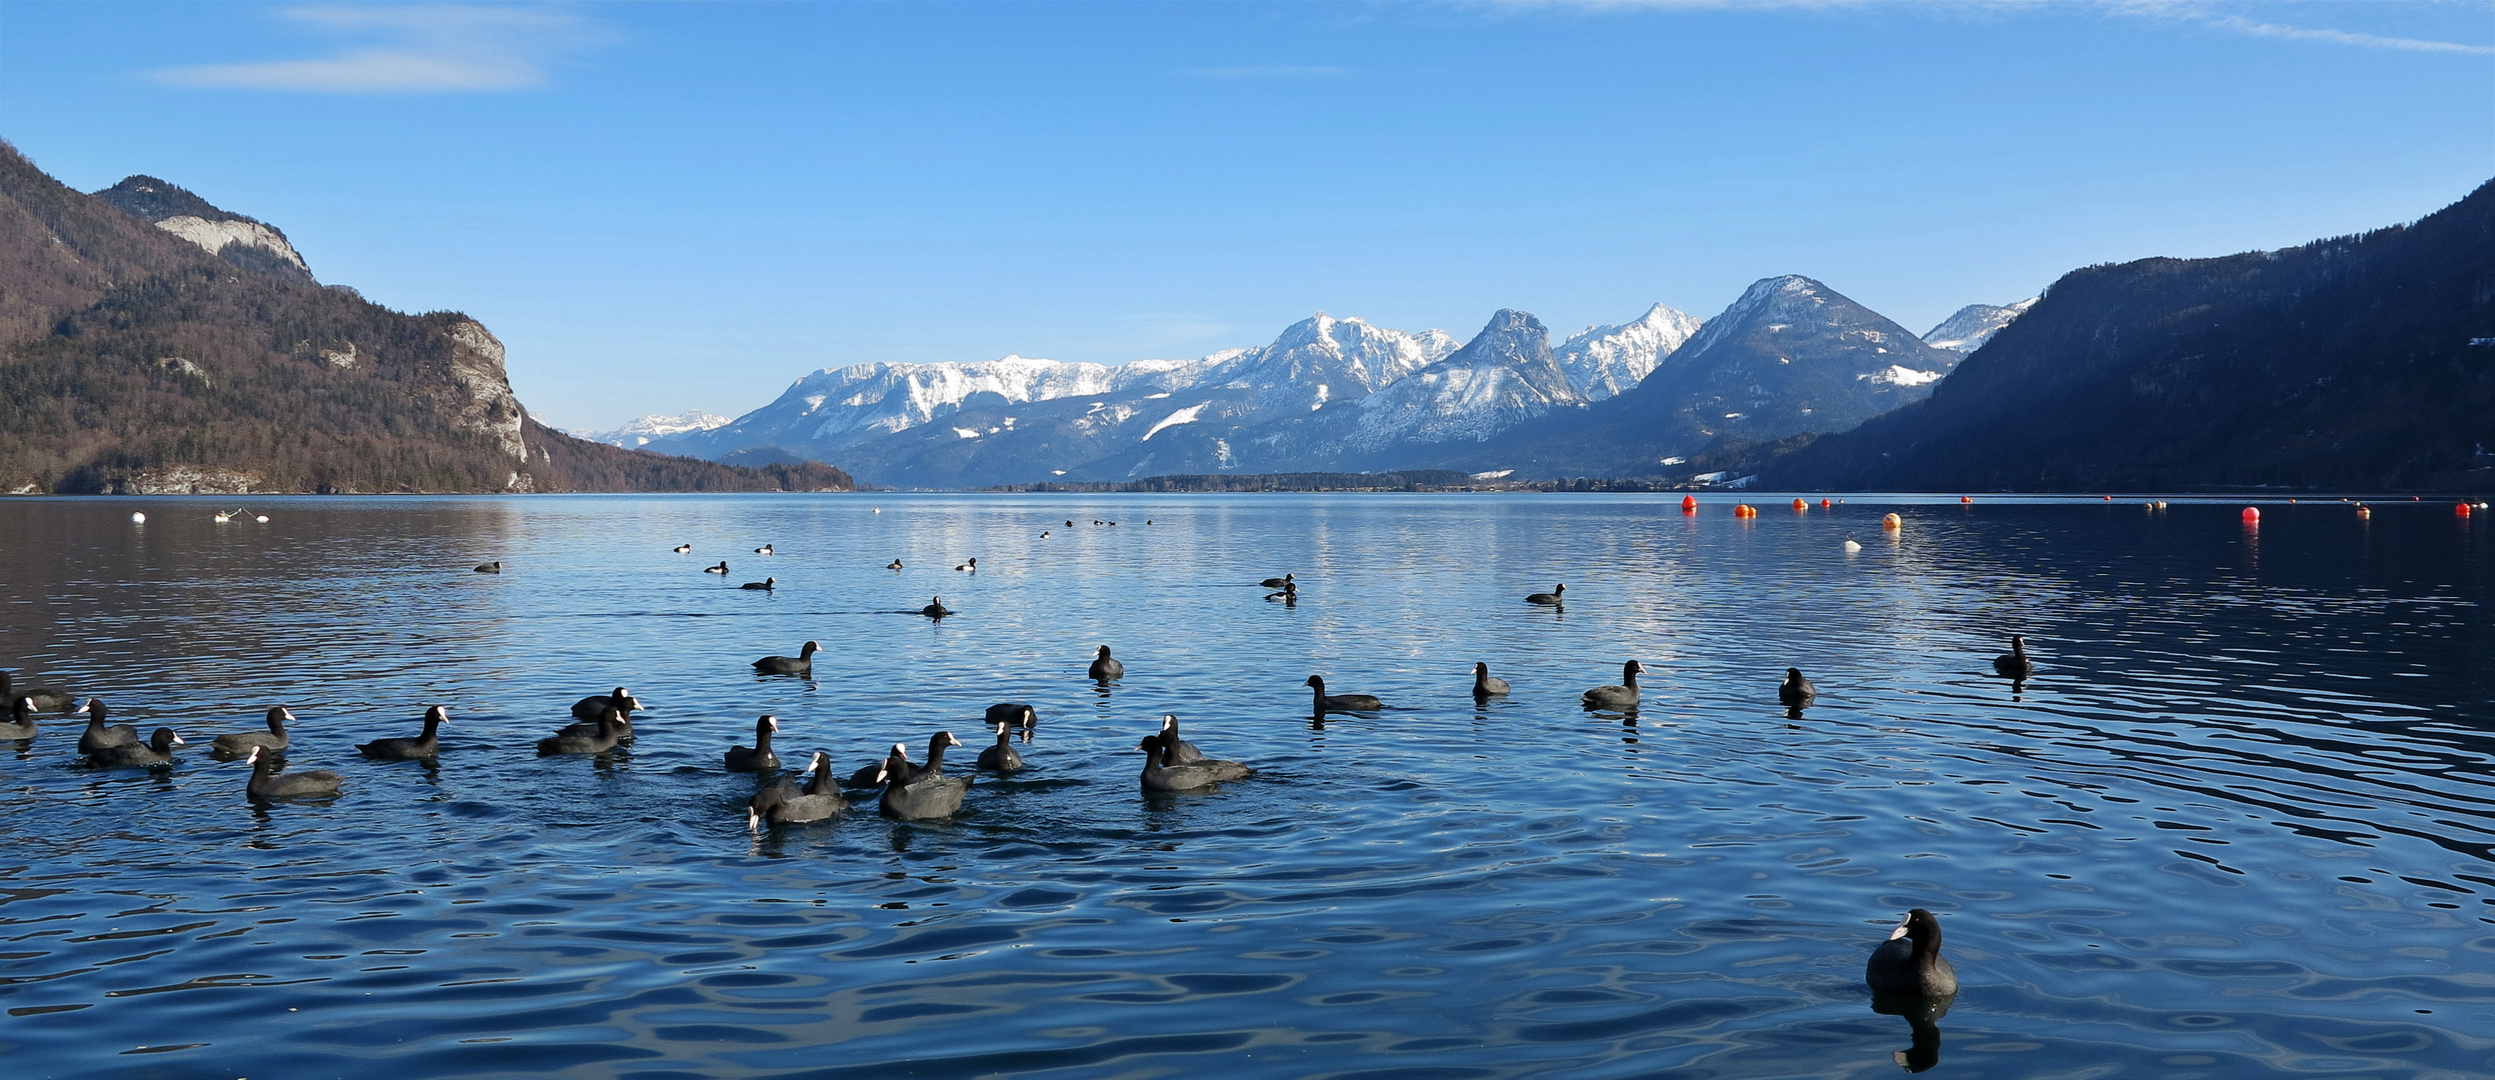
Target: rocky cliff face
[(245, 242)]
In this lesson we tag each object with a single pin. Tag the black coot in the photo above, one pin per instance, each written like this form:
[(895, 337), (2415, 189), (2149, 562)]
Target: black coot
[(757, 757), (928, 792), (1002, 757), (800, 664), (1485, 686), (1342, 702), (406, 749), (147, 755), (267, 783), (241, 742), (1796, 691), (1551, 598), (100, 736), (1623, 696), (1106, 667), (1910, 963), (2015, 664)]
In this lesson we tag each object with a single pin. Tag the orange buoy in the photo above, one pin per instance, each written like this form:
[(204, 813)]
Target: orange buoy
[(2460, 510), (1689, 504), (1966, 498), (2364, 513), (2109, 498), (1891, 521), (2252, 515), (1800, 505), (1823, 504)]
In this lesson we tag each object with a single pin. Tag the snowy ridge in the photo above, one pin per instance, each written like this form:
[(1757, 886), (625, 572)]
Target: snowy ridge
[(1975, 324), (1601, 361), (638, 433)]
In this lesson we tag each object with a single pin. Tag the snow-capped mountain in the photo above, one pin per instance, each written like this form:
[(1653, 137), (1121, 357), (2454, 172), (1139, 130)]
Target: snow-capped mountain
[(1323, 359), (1974, 325), (1504, 376), (638, 433), (1602, 361)]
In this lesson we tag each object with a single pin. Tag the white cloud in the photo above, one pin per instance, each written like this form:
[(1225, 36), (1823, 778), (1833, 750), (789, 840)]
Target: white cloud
[(409, 49), (2243, 25)]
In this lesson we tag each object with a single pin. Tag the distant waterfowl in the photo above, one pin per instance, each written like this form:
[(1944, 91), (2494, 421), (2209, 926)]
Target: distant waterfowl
[(1277, 582), (765, 585), (590, 707), (242, 742), (1910, 962), (757, 757), (1552, 597), (935, 608), (1013, 712), (1181, 752), (928, 792), (684, 549), (1070, 523), (1484, 684), (145, 755), (1796, 691), (764, 550), (46, 699), (21, 723), (1106, 667), (2015, 664), (800, 664), (1162, 772), (1043, 534), (893, 565), (1288, 595), (1852, 544), (719, 569), (785, 803), (100, 736), (1001, 757), (1623, 696), (969, 567), (266, 783), (489, 568), (610, 731), (410, 749), (1341, 702)]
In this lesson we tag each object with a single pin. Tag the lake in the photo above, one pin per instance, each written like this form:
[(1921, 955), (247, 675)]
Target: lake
[(2238, 825)]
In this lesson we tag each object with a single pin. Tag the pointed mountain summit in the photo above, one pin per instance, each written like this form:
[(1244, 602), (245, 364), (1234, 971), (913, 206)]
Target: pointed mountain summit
[(1323, 359), (1602, 361), (1506, 375), (1975, 324), (246, 242)]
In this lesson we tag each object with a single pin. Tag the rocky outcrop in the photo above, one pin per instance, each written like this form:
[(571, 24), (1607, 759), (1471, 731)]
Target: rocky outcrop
[(246, 242)]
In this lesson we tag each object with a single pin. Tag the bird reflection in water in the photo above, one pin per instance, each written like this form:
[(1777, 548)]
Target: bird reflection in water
[(1923, 1015)]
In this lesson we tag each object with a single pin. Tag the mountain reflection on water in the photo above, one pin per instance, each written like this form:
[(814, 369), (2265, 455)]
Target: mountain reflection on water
[(2235, 826)]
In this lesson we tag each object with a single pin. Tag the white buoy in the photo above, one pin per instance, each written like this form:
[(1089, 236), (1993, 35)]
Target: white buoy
[(262, 519), (138, 519), (1852, 545)]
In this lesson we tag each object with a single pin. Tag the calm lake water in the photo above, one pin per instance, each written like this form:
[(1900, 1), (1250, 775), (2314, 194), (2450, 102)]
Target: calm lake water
[(2237, 826)]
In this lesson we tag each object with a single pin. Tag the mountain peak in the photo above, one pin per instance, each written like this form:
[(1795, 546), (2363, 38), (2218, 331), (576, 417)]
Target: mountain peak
[(246, 242), (1975, 324), (1602, 361)]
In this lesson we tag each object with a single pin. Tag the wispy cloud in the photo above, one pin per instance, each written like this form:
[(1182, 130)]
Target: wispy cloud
[(1266, 71), (2242, 25), (2200, 12), (409, 49)]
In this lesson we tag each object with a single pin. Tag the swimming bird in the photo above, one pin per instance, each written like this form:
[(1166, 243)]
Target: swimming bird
[(719, 569), (21, 723), (1796, 691), (489, 568), (765, 585), (1013, 712), (800, 664), (266, 783), (895, 762), (785, 803), (590, 707), (1623, 696), (99, 736), (893, 565), (610, 731), (764, 550), (1910, 961), (1852, 544), (1043, 534), (1106, 667), (1342, 702), (1484, 685), (1551, 598), (1277, 582), (238, 743), (146, 755), (1165, 773), (2015, 663), (1181, 752), (684, 549), (972, 566), (1002, 757), (757, 757), (1070, 523), (935, 608), (1288, 595), (618, 711), (927, 792), (45, 698), (410, 749)]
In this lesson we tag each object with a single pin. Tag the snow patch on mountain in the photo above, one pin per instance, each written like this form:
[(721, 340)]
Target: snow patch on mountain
[(639, 432), (1602, 361), (1975, 324)]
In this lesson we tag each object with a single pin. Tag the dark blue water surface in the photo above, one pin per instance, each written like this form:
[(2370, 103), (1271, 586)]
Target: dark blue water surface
[(2237, 826)]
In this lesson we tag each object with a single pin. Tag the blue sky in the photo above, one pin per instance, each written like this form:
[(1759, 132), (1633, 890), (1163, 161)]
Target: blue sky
[(670, 206)]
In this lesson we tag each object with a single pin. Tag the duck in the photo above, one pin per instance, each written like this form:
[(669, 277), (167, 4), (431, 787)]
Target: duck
[(100, 736), (1796, 690), (800, 664), (1551, 598), (971, 567), (926, 792), (489, 568), (719, 569), (1910, 963), (589, 708), (410, 749), (785, 803), (1852, 545), (146, 755), (1002, 757), (1163, 772), (1180, 750), (764, 550), (1013, 712), (618, 711), (21, 724), (765, 585), (1341, 702), (935, 608), (893, 565), (684, 549), (1623, 696), (267, 783), (1484, 684), (1043, 534), (241, 742), (45, 698), (1288, 595), (757, 757), (2015, 664), (1277, 582), (610, 731), (1106, 667)]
